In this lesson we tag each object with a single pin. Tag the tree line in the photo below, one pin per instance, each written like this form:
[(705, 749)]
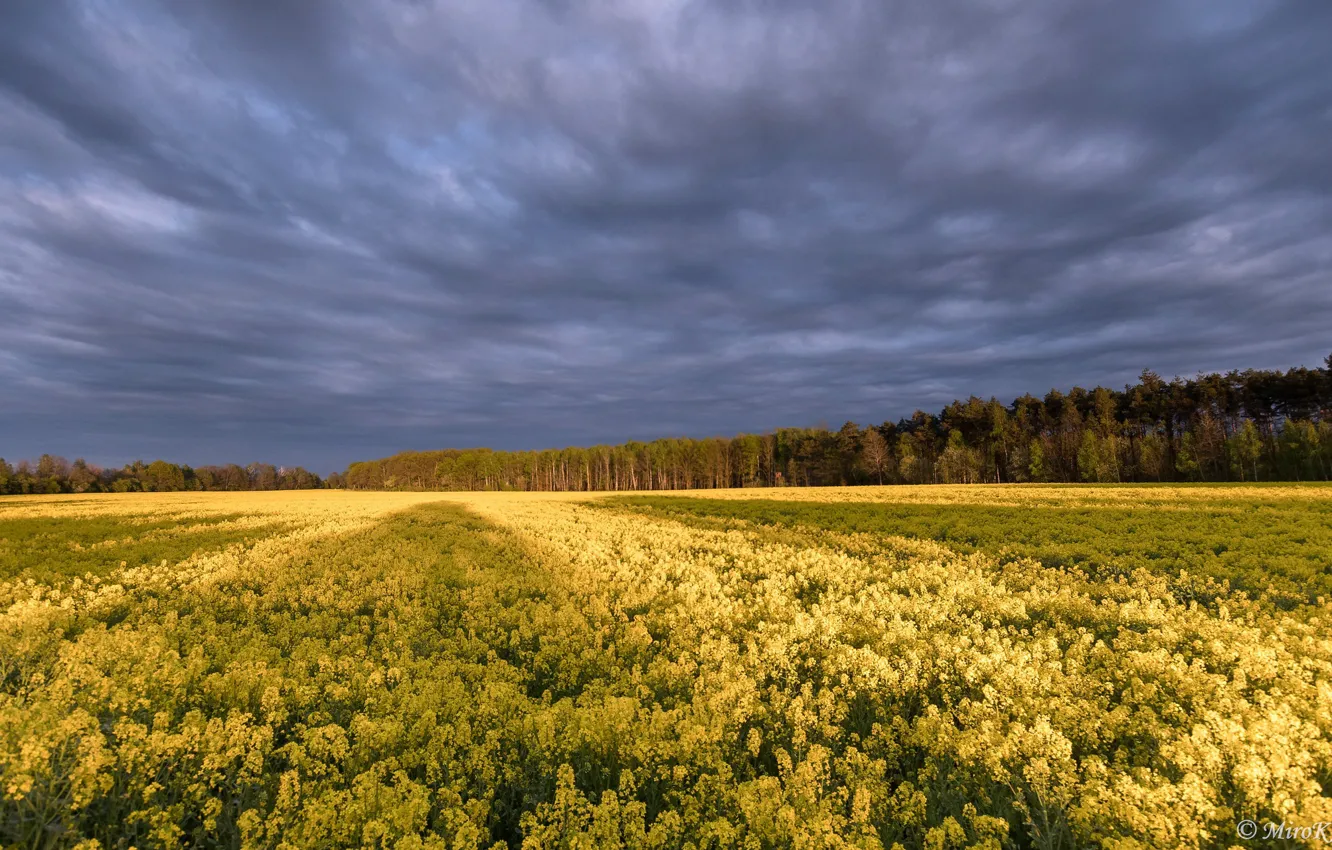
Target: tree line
[(1251, 425), (54, 474)]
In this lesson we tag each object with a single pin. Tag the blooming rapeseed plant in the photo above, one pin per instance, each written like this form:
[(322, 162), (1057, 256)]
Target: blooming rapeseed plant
[(482, 670)]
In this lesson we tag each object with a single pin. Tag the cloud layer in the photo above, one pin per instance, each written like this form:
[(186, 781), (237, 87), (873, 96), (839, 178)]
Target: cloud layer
[(312, 232)]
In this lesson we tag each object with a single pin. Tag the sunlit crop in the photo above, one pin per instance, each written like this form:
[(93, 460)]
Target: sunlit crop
[(481, 670)]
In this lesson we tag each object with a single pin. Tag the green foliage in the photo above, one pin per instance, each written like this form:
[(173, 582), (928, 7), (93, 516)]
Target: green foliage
[(1301, 452), (1038, 469), (163, 476), (959, 464), (1186, 459), (1245, 447)]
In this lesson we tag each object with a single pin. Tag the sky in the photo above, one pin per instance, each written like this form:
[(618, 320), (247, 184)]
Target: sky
[(312, 233)]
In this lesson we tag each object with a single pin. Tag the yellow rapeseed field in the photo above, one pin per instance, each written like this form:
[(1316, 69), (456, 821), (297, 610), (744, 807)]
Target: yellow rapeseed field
[(760, 669)]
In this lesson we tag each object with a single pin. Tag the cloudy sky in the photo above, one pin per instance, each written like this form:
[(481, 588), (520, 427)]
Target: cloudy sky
[(313, 232)]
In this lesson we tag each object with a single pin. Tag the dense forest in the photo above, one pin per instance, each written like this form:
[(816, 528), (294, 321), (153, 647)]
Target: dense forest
[(53, 474), (1254, 425)]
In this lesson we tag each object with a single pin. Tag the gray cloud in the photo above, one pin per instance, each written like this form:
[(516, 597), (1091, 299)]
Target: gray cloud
[(316, 232)]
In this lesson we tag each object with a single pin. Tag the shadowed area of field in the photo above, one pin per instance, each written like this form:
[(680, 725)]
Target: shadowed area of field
[(53, 549), (1281, 546)]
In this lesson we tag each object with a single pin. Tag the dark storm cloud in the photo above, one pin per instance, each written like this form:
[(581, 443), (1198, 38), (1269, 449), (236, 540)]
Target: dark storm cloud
[(319, 231)]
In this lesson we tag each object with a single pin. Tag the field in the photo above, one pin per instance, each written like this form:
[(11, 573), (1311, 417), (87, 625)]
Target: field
[(934, 667)]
